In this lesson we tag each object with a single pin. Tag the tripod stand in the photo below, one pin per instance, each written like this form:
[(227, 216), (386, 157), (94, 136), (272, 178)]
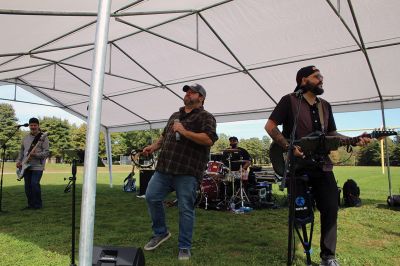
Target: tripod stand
[(241, 193), (4, 148), (77, 156), (72, 184)]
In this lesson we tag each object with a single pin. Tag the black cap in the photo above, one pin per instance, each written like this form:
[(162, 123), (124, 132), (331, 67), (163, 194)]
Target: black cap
[(195, 87), (34, 120), (233, 138), (305, 72)]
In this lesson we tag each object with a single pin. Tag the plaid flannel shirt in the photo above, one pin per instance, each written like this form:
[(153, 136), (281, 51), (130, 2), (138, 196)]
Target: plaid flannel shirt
[(185, 157)]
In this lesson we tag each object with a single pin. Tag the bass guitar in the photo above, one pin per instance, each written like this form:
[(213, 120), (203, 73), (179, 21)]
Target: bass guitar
[(25, 162), (316, 144)]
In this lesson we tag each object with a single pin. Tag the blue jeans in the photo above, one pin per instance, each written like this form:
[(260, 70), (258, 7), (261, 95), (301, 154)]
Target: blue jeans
[(159, 187), (32, 188)]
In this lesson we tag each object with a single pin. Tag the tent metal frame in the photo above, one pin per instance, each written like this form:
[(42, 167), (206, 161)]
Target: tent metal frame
[(96, 86)]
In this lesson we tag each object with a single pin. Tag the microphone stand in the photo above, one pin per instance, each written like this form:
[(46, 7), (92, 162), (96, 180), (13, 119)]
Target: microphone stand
[(289, 167), (72, 183), (4, 147)]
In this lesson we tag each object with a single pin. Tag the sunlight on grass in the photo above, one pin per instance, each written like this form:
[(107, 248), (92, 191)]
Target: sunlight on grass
[(369, 235)]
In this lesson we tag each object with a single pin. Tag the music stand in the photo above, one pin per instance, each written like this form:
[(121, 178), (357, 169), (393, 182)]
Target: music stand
[(77, 156)]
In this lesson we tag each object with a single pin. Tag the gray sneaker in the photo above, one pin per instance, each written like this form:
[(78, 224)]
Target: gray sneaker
[(329, 262), (184, 254), (155, 241)]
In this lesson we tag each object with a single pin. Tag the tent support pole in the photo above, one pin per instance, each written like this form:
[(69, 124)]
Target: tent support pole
[(107, 137), (365, 52), (92, 136)]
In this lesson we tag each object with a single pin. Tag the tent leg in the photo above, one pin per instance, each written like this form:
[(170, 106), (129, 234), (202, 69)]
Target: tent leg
[(92, 135)]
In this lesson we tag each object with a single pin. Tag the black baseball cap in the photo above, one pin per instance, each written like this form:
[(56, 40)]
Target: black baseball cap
[(305, 72), (195, 87)]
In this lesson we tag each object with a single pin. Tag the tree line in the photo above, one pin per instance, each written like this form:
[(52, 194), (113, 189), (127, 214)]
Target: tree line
[(65, 136)]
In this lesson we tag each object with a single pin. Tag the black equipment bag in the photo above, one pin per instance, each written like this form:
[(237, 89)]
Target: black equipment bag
[(129, 184), (394, 200), (351, 194)]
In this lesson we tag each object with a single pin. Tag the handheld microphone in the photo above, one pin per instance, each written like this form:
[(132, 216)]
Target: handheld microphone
[(299, 92), (23, 125), (177, 135)]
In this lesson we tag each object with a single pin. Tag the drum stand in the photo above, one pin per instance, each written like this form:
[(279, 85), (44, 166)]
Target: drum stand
[(240, 192), (225, 202)]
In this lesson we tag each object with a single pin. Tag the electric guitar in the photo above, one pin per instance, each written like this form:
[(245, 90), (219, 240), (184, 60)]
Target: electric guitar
[(316, 143), (25, 162)]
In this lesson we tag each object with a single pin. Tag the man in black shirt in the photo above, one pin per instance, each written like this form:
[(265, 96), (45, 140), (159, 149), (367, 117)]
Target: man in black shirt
[(239, 155), (184, 149), (312, 109)]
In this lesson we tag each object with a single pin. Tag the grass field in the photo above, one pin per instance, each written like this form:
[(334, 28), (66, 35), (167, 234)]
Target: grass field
[(369, 235)]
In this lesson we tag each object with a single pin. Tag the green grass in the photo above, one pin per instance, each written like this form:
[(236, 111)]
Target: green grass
[(369, 235)]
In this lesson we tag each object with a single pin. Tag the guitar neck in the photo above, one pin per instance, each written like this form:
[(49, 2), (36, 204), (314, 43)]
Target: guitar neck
[(26, 159)]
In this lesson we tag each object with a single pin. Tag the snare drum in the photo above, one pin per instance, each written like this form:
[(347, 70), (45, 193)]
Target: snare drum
[(216, 170)]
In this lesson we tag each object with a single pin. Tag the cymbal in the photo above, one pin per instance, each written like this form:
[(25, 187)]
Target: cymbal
[(230, 150), (240, 161)]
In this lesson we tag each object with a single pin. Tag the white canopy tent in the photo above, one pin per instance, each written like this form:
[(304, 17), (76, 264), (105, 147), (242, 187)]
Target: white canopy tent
[(245, 53)]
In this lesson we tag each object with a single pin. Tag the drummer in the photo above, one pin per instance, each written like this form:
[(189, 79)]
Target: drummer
[(237, 154)]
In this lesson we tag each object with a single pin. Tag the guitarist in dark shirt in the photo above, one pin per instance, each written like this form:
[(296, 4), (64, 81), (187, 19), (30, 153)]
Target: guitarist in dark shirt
[(312, 109), (34, 151)]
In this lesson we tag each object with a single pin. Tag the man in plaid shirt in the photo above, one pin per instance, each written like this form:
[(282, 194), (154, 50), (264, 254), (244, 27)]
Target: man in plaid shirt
[(184, 149)]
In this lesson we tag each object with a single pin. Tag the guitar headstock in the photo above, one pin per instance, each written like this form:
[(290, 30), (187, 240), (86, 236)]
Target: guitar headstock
[(382, 133)]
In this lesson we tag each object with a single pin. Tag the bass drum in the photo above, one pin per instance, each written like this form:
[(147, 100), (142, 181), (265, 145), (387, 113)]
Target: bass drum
[(208, 192)]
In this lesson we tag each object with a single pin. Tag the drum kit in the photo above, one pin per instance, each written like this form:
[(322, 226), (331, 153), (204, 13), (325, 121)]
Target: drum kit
[(224, 189)]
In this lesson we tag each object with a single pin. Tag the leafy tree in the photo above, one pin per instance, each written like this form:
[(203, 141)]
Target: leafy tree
[(221, 144), (369, 155), (254, 147), (59, 135), (266, 143), (8, 123), (78, 139), (138, 139), (118, 145), (395, 158)]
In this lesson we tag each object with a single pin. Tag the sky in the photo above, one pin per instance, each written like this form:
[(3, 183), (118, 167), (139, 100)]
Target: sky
[(366, 121)]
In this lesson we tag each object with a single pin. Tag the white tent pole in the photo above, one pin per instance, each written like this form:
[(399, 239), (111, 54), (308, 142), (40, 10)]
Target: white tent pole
[(364, 50), (92, 136), (107, 137)]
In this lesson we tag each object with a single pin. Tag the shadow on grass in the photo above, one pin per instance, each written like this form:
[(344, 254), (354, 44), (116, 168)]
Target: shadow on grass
[(121, 219), (386, 206)]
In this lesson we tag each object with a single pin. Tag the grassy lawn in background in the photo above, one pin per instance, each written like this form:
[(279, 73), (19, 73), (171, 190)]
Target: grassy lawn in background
[(369, 235)]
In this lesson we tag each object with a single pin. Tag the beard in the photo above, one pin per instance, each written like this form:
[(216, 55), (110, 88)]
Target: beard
[(316, 89), (233, 146), (190, 102)]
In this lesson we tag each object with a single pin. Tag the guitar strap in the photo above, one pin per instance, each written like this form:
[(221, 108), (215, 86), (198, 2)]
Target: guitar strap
[(34, 142), (321, 115)]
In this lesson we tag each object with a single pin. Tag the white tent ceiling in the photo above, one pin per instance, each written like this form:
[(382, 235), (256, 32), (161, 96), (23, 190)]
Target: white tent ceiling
[(245, 53)]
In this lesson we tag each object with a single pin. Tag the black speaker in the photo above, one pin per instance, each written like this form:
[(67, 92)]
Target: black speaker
[(117, 256), (145, 176)]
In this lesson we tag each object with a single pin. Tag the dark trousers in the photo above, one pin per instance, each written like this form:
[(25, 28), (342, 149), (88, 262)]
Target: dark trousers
[(325, 193), (32, 188)]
